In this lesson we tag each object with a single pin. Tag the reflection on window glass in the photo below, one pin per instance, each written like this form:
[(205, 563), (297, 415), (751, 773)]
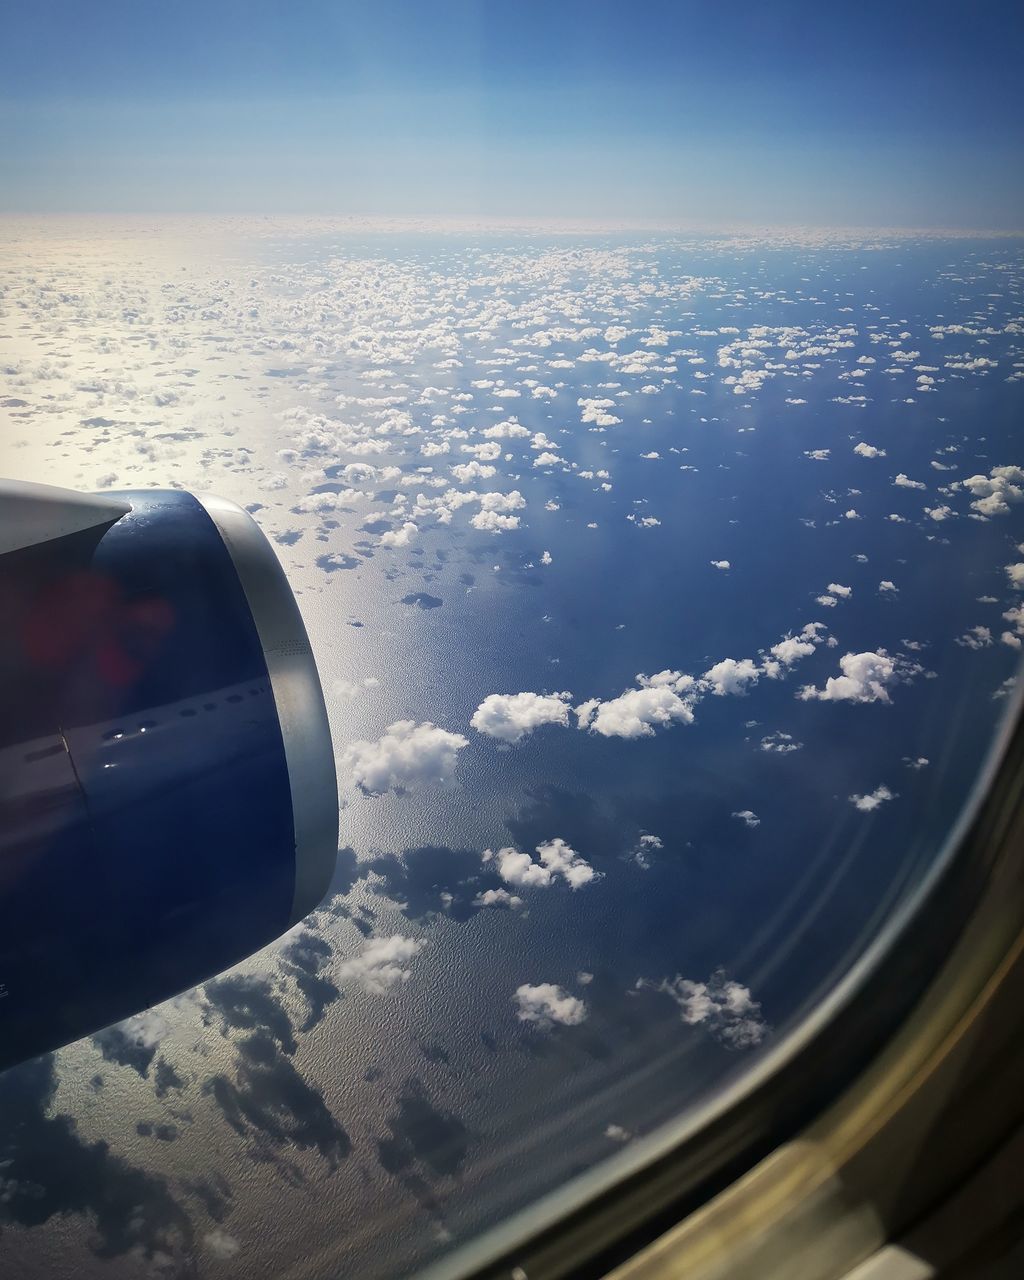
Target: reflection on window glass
[(665, 588)]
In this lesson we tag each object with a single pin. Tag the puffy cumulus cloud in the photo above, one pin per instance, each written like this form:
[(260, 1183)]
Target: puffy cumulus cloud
[(868, 450), (816, 455), (556, 860), (838, 589), (509, 430), (1015, 572), (724, 1008), (720, 564), (513, 501), (400, 537), (546, 558), (732, 676), (547, 459), (975, 638), (349, 689), (904, 482), (381, 964), (873, 799), (494, 522), (408, 755), (321, 503), (748, 380), (866, 677), (546, 1004), (941, 512), (791, 648), (510, 716), (748, 817), (488, 452), (1015, 617), (497, 898), (466, 471), (596, 411), (643, 849), (995, 492), (434, 448), (887, 587), (780, 744), (662, 700)]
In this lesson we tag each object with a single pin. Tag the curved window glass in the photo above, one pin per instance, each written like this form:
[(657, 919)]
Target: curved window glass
[(665, 590)]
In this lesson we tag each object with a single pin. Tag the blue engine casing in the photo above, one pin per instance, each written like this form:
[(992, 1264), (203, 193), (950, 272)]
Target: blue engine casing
[(167, 793)]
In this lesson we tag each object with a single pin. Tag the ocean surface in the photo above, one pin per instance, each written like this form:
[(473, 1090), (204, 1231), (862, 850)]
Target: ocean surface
[(740, 519)]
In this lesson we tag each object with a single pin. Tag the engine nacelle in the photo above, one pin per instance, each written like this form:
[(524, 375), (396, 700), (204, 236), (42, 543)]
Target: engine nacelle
[(168, 801)]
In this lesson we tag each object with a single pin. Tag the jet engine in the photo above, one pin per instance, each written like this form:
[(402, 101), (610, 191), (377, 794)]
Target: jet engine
[(168, 802)]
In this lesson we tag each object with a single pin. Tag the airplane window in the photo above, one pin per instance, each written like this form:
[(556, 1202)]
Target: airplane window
[(633, 400)]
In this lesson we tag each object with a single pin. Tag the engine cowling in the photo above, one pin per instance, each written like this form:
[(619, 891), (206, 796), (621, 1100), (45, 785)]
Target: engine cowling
[(168, 801)]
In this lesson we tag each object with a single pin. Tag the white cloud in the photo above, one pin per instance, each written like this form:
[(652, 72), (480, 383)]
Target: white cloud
[(995, 492), (546, 558), (408, 755), (873, 799), (546, 1004), (779, 743), (645, 846), (941, 512), (866, 678), (595, 411), (506, 430), (466, 471), (748, 817), (488, 452), (817, 455), (975, 638), (349, 689), (510, 716), (792, 648), (868, 450), (1015, 572), (494, 522), (725, 1008), (497, 898), (555, 860), (637, 712), (381, 963), (399, 537), (732, 676), (904, 482), (721, 564), (513, 501), (1015, 617)]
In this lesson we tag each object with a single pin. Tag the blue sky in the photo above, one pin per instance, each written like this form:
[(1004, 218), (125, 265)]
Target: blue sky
[(906, 114)]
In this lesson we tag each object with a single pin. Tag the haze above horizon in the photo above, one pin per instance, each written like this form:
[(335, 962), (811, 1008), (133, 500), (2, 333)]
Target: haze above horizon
[(687, 113)]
